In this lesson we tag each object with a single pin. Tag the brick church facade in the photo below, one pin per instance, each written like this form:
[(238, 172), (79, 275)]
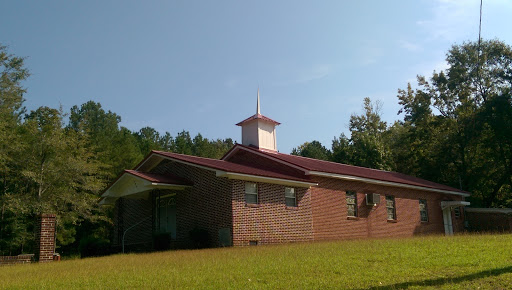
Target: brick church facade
[(255, 195)]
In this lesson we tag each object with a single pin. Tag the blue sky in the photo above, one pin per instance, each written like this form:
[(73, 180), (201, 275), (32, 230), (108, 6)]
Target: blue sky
[(196, 65)]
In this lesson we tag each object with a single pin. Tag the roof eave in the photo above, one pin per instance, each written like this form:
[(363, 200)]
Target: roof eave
[(386, 183)]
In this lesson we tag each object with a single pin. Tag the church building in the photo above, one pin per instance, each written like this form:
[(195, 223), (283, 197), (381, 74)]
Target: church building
[(255, 195)]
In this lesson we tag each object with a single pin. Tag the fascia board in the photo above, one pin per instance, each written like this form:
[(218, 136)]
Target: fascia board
[(446, 204), (386, 183), (490, 210)]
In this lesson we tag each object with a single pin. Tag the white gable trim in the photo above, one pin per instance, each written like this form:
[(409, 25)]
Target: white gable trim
[(386, 183), (247, 177), (128, 184)]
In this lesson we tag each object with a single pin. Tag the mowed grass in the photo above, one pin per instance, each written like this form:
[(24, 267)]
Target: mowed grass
[(466, 261)]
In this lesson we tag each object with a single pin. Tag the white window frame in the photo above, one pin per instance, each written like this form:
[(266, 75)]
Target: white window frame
[(289, 194), (392, 206), (251, 189), (456, 212), (423, 208), (352, 195)]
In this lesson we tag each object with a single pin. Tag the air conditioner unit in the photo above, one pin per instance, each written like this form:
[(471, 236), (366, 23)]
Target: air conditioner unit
[(372, 199)]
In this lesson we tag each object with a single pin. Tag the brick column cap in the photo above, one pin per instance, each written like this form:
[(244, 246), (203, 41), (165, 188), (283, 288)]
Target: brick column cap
[(48, 215)]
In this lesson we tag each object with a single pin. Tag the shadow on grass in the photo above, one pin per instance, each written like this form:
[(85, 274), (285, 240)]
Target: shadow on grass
[(442, 281)]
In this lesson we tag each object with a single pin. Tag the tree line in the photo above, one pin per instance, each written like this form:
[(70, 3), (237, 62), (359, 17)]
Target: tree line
[(456, 129), (57, 162)]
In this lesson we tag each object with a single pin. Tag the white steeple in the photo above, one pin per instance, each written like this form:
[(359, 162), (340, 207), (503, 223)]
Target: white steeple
[(259, 131)]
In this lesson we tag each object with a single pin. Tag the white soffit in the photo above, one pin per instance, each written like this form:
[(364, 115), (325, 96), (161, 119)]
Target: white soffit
[(454, 203), (129, 184)]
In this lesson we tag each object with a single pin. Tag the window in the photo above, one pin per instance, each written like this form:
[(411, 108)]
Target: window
[(456, 211), (351, 197), (251, 193), (289, 195), (423, 210), (253, 243), (390, 206)]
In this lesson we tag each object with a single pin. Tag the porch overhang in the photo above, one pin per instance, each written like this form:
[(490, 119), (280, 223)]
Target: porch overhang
[(455, 203), (138, 185)]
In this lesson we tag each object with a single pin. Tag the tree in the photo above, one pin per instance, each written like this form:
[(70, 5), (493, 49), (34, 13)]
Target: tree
[(56, 174), (114, 147), (313, 149), (12, 75), (367, 137), (464, 143)]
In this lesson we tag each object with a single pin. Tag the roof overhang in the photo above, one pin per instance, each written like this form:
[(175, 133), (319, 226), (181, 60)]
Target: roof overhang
[(490, 210), (242, 176), (385, 183), (247, 177), (454, 203), (131, 186)]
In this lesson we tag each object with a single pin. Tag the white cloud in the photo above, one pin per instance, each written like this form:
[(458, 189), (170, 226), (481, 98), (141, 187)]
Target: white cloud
[(304, 75), (413, 47), (452, 20), (314, 73)]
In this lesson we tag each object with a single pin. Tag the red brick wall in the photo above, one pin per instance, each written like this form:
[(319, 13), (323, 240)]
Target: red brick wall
[(20, 259), (45, 238), (205, 205), (330, 211), (270, 221), (127, 213)]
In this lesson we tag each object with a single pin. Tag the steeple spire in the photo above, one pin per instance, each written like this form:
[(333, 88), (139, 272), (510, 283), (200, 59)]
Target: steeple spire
[(258, 102)]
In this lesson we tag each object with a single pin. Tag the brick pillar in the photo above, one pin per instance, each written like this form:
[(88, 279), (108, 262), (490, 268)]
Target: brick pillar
[(45, 238)]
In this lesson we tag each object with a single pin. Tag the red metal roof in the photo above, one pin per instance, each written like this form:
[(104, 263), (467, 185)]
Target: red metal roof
[(258, 116), (160, 178), (344, 169), (230, 166)]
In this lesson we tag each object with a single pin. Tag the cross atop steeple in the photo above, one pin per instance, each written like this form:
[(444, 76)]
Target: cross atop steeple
[(258, 103)]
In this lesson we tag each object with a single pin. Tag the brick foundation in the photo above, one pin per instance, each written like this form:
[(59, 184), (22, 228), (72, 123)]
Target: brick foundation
[(13, 260), (45, 238)]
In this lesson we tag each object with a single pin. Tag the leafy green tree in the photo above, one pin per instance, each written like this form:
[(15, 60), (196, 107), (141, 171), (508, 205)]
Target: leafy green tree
[(341, 150), (464, 142), (57, 174), (149, 139), (12, 75), (369, 148), (313, 149), (116, 148), (183, 143)]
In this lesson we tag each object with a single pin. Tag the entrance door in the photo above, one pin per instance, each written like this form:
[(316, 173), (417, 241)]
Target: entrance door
[(166, 215), (447, 219)]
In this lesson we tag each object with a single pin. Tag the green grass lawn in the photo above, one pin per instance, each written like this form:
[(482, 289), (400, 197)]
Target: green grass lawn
[(467, 261)]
